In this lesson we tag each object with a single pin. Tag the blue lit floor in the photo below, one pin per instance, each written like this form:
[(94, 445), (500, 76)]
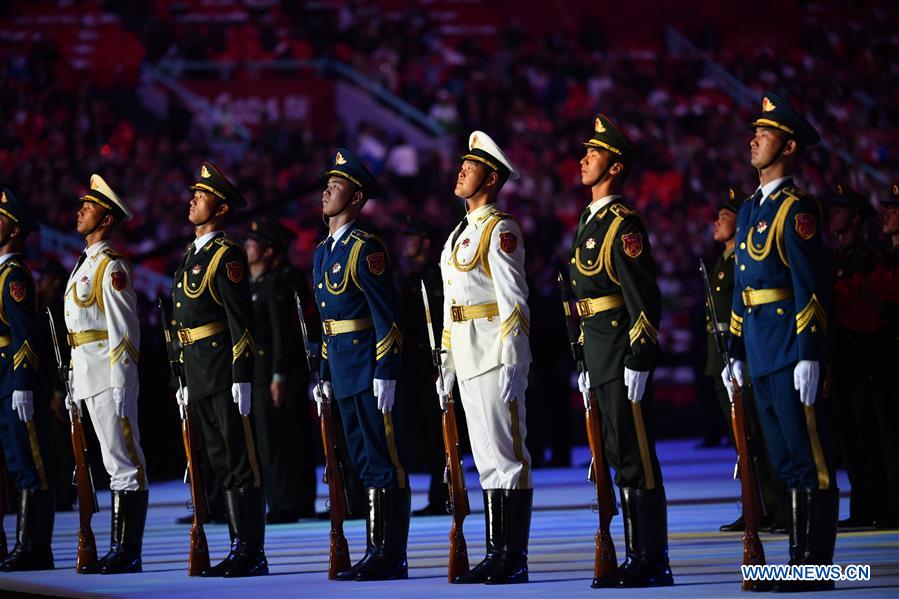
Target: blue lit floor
[(701, 497)]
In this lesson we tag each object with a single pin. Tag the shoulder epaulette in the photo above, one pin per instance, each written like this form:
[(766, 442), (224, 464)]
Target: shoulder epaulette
[(112, 254), (360, 235), (494, 213), (225, 241), (620, 210), (12, 262)]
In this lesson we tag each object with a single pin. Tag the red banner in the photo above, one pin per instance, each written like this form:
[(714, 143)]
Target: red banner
[(309, 101)]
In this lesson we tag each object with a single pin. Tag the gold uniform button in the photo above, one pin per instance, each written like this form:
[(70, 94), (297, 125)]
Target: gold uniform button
[(718, 289), (3, 355), (178, 305), (215, 344), (742, 245), (449, 281), (319, 285), (572, 260), (749, 310), (814, 328), (614, 323), (742, 267), (261, 352), (780, 311), (178, 285), (574, 283), (355, 342), (589, 262), (323, 304)]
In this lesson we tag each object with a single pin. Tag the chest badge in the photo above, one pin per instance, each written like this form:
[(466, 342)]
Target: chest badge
[(761, 227), (466, 242), (196, 269), (720, 275), (84, 279), (336, 268), (591, 243)]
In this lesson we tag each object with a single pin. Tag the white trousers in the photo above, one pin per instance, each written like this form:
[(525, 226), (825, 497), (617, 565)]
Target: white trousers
[(119, 443), (497, 433)]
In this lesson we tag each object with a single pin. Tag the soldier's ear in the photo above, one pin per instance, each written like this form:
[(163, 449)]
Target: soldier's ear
[(616, 169), (223, 209), (791, 147)]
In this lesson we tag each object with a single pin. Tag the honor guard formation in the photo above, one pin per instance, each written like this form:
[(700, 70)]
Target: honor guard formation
[(796, 338)]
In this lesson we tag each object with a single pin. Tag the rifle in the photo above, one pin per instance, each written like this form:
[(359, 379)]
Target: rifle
[(605, 564), (753, 553), (454, 476), (84, 483), (339, 550), (198, 559)]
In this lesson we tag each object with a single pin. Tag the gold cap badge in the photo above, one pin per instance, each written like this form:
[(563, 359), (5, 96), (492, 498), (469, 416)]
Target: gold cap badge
[(204, 172), (94, 183), (767, 105), (474, 142), (731, 193), (598, 126), (3, 198), (339, 159)]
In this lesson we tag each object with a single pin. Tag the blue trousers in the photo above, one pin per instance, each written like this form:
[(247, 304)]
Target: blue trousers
[(798, 443), (372, 441), (23, 446)]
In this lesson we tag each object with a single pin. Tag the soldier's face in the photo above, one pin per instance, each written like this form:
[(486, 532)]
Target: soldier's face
[(89, 217), (202, 207), (337, 194), (764, 146), (725, 226), (840, 219), (891, 220), (593, 164), (254, 251), (7, 227), (470, 177)]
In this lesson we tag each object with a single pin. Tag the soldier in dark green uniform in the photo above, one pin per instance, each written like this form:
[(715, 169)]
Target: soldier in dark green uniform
[(282, 420), (425, 415), (721, 279), (214, 320), (613, 275), (854, 335)]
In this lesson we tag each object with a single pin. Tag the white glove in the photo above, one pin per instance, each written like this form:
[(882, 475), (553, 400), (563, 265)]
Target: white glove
[(805, 380), (242, 394), (125, 399), (737, 367), (385, 391), (513, 380), (445, 386), (635, 381), (70, 402), (23, 403), (583, 385), (181, 396), (317, 395)]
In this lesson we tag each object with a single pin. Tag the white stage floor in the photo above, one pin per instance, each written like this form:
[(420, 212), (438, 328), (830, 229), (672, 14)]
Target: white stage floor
[(705, 562)]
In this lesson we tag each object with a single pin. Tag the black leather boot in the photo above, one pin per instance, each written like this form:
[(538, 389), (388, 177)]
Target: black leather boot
[(735, 526), (129, 514), (232, 515), (512, 567), (819, 523), (388, 560), (34, 531), (649, 567), (372, 535), (493, 519), (796, 527), (250, 553)]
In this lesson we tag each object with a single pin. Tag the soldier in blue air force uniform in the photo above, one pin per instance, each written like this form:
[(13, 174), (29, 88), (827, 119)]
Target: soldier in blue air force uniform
[(361, 353), (23, 406), (779, 326)]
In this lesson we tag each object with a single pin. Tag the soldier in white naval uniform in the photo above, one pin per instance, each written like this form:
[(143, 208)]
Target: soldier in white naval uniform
[(104, 333), (485, 335)]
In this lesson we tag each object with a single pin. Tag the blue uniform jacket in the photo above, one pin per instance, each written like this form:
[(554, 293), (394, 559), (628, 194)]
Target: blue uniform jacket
[(355, 282), (19, 328), (778, 246)]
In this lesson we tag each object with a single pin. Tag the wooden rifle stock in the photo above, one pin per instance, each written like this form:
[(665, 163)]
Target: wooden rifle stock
[(339, 550), (458, 493), (455, 476), (198, 556), (605, 563), (753, 552), (84, 484)]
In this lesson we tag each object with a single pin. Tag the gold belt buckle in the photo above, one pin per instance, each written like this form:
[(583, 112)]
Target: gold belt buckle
[(583, 307), (326, 327), (71, 339), (747, 297), (184, 336), (457, 313)]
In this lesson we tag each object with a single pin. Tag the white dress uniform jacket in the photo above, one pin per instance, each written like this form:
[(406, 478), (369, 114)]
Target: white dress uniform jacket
[(483, 273), (100, 298)]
